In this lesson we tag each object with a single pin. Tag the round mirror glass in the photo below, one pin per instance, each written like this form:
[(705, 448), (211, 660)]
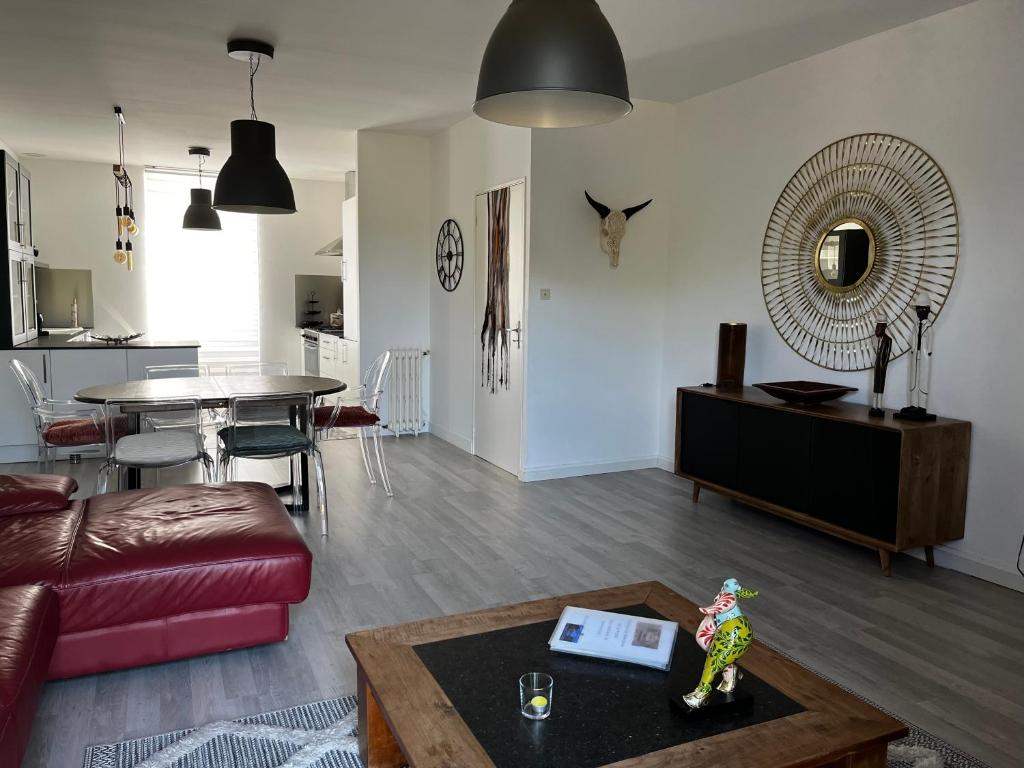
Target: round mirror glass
[(845, 255)]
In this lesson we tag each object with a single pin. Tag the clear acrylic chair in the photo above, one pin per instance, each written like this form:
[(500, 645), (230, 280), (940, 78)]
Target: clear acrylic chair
[(152, 448), (360, 410), (177, 371), (248, 435), (60, 423), (256, 369)]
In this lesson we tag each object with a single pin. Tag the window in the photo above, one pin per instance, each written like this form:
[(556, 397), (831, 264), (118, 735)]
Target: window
[(200, 285)]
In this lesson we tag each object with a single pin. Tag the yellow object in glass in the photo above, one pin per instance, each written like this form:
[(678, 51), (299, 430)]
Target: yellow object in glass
[(538, 702)]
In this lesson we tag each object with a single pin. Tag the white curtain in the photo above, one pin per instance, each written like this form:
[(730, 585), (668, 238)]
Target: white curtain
[(200, 285)]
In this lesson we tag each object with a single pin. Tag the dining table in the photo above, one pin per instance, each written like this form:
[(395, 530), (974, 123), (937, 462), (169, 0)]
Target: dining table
[(214, 392)]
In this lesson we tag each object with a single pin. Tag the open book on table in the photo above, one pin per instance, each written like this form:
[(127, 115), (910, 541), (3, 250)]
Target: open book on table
[(615, 636)]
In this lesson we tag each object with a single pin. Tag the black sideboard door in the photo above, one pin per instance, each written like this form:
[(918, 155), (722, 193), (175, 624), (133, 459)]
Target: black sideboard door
[(775, 457), (855, 477), (709, 446)]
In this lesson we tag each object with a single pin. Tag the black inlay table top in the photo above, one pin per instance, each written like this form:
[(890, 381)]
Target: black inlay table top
[(602, 711)]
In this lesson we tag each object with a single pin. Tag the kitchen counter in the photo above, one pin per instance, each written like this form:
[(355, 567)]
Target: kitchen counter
[(63, 341)]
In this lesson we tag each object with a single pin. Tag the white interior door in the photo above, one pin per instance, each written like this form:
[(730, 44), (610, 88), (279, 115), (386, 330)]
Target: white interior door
[(497, 431)]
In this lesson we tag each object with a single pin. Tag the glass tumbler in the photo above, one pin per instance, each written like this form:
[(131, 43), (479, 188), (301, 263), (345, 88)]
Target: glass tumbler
[(535, 692)]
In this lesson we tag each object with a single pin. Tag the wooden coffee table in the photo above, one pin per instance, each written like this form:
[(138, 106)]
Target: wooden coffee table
[(443, 693)]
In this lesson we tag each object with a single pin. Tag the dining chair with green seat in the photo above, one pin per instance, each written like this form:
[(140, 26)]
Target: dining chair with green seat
[(250, 435)]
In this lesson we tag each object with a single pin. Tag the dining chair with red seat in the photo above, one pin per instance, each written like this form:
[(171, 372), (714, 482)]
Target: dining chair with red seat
[(62, 423), (362, 413)]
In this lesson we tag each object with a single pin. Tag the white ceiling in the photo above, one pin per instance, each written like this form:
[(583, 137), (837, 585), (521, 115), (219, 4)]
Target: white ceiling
[(342, 65)]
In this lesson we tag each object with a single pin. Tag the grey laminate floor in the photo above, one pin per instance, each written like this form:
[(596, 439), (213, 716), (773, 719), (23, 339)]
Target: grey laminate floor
[(936, 647)]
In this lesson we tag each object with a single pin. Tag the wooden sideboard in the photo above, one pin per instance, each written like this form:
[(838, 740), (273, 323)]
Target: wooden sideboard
[(885, 483)]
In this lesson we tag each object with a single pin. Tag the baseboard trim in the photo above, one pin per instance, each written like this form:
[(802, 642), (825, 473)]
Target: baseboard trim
[(458, 441), (947, 557), (557, 471), (668, 463)]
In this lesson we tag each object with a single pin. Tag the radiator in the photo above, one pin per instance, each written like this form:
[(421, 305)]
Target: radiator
[(405, 392)]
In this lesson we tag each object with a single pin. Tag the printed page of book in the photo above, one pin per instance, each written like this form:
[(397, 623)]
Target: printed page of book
[(615, 636)]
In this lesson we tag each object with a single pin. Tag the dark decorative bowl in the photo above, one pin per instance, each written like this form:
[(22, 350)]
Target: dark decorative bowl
[(804, 392)]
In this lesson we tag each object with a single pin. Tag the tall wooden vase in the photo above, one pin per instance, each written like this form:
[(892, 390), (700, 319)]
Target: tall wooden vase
[(732, 354)]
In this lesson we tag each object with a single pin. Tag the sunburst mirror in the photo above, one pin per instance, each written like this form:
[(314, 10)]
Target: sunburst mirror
[(864, 226)]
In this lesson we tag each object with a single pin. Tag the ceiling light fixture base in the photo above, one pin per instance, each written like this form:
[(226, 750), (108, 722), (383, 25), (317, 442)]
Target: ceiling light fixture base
[(242, 48)]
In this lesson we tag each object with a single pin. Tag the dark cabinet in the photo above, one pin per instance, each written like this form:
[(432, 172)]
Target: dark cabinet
[(17, 278), (881, 482)]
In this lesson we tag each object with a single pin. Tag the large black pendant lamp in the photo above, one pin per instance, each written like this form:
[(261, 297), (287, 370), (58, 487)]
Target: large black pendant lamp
[(553, 64), (252, 181), (200, 214)]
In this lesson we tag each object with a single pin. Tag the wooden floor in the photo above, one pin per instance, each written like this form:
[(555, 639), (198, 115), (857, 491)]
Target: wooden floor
[(938, 648)]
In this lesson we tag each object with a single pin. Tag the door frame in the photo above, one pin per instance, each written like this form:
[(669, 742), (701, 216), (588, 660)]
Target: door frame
[(525, 335)]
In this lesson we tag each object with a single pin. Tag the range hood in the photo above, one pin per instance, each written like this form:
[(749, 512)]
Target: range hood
[(333, 248)]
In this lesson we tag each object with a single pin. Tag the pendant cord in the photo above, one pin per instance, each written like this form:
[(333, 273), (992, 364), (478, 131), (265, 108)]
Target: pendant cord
[(254, 66)]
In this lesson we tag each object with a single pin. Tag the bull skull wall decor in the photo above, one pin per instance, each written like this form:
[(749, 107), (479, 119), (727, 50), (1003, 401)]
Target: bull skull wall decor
[(613, 226)]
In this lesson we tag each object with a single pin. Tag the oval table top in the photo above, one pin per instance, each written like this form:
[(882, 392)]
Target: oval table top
[(213, 391)]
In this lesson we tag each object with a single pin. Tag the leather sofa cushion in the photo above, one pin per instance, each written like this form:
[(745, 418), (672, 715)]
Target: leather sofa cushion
[(34, 547), (348, 416), (35, 493), (28, 631), (69, 433), (152, 553)]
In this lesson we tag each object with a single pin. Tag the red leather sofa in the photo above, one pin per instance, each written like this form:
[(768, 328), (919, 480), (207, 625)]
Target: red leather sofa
[(132, 578)]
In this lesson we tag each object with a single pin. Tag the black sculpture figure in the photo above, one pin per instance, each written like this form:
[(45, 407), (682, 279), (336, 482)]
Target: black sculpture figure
[(883, 350)]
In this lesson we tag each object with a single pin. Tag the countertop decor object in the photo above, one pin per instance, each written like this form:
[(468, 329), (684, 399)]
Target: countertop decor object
[(919, 370), (449, 255), (252, 180), (805, 392), (860, 229), (200, 213), (553, 65)]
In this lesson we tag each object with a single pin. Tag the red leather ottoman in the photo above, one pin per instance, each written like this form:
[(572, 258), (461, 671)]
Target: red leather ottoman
[(154, 575), (28, 631)]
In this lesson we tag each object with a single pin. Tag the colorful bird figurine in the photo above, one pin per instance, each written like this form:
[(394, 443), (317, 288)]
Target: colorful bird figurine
[(725, 634)]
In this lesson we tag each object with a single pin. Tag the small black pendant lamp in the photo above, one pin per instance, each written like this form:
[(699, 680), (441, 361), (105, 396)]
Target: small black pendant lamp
[(553, 64), (252, 181), (200, 214)]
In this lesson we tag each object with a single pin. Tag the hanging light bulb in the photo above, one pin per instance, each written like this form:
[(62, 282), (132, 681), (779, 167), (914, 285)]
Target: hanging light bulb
[(129, 256), (120, 256), (200, 214), (252, 180)]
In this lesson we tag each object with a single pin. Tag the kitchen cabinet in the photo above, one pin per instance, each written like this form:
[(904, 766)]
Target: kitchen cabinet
[(347, 363), (18, 320), (139, 358), (73, 369)]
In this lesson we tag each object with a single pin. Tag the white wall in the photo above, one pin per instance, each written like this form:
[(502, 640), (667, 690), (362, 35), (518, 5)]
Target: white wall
[(951, 84), (595, 349), (466, 159), (287, 247), (73, 224), (395, 248)]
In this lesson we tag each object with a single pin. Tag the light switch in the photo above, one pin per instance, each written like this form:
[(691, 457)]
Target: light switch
[(545, 294)]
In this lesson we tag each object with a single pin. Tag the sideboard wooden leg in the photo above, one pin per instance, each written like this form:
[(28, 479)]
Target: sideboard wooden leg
[(696, 493), (377, 745), (886, 559), (929, 555)]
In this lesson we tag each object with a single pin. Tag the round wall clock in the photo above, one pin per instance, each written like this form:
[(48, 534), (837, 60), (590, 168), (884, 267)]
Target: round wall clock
[(449, 255)]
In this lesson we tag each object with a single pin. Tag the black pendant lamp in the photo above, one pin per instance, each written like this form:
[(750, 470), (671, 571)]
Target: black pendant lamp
[(252, 181), (553, 64), (200, 213)]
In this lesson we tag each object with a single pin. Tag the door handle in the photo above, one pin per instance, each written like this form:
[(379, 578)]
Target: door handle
[(44, 369), (518, 331)]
